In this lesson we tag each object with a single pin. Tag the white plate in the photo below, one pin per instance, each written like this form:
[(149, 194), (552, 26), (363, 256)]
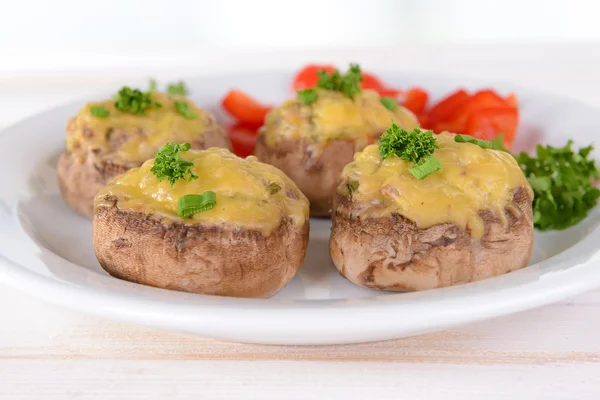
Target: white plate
[(45, 249)]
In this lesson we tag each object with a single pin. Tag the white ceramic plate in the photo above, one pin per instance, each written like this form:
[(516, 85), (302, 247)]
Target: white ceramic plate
[(45, 249)]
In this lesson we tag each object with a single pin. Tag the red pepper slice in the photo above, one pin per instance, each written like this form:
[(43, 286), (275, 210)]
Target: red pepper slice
[(307, 76), (488, 123), (243, 138), (480, 100), (415, 100), (445, 108), (244, 108)]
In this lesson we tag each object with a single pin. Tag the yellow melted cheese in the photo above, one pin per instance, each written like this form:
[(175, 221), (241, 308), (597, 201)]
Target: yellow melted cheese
[(146, 133), (472, 179), (334, 116), (240, 185)]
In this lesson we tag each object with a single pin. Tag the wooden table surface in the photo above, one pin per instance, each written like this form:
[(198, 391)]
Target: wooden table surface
[(550, 353)]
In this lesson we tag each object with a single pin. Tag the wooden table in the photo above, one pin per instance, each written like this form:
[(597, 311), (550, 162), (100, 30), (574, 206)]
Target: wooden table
[(551, 353)]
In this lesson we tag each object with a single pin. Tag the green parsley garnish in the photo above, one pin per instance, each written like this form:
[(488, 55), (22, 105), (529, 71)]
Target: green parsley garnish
[(177, 89), (307, 96), (183, 109), (416, 146), (194, 203), (348, 83), (495, 144), (134, 101), (389, 103), (99, 112), (169, 164), (561, 180)]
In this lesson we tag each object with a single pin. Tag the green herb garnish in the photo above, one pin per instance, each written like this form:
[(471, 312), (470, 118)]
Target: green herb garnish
[(416, 146), (152, 85), (495, 144), (134, 101), (194, 203), (352, 186), (99, 112), (561, 180), (425, 168), (183, 109), (389, 103), (307, 96), (169, 164), (348, 83), (177, 89), (273, 187)]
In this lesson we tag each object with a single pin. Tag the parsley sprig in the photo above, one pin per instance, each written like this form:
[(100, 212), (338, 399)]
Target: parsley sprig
[(561, 180), (169, 164), (134, 101), (416, 146), (348, 84), (177, 89)]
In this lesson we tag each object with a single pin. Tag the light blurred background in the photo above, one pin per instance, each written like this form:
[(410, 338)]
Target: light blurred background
[(71, 34), (55, 51)]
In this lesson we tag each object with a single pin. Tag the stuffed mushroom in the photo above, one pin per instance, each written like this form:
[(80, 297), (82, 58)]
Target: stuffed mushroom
[(462, 215), (313, 137), (109, 137), (202, 221)]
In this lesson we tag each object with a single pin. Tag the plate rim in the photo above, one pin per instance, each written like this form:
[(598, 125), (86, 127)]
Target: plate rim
[(545, 291)]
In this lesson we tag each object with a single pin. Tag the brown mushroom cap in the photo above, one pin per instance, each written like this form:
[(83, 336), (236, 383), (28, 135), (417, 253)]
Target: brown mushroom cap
[(249, 244), (392, 253), (312, 143), (470, 220), (98, 149), (318, 177), (217, 260)]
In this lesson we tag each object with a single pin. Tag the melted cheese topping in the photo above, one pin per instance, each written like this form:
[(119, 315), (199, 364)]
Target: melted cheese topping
[(334, 116), (472, 179), (240, 185), (145, 133)]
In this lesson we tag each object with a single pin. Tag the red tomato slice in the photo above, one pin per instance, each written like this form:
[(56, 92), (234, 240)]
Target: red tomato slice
[(488, 123), (424, 120), (371, 82), (415, 100), (443, 109), (393, 93), (243, 138), (512, 100), (480, 100), (244, 108), (307, 76)]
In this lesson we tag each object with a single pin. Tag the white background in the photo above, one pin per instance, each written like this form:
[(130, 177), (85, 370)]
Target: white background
[(75, 35)]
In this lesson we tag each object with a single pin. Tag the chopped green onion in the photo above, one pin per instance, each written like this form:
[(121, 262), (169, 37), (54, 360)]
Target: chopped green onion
[(99, 112), (495, 144), (183, 109), (274, 187), (425, 168), (307, 96), (194, 203), (152, 85), (389, 103), (498, 143), (352, 186)]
